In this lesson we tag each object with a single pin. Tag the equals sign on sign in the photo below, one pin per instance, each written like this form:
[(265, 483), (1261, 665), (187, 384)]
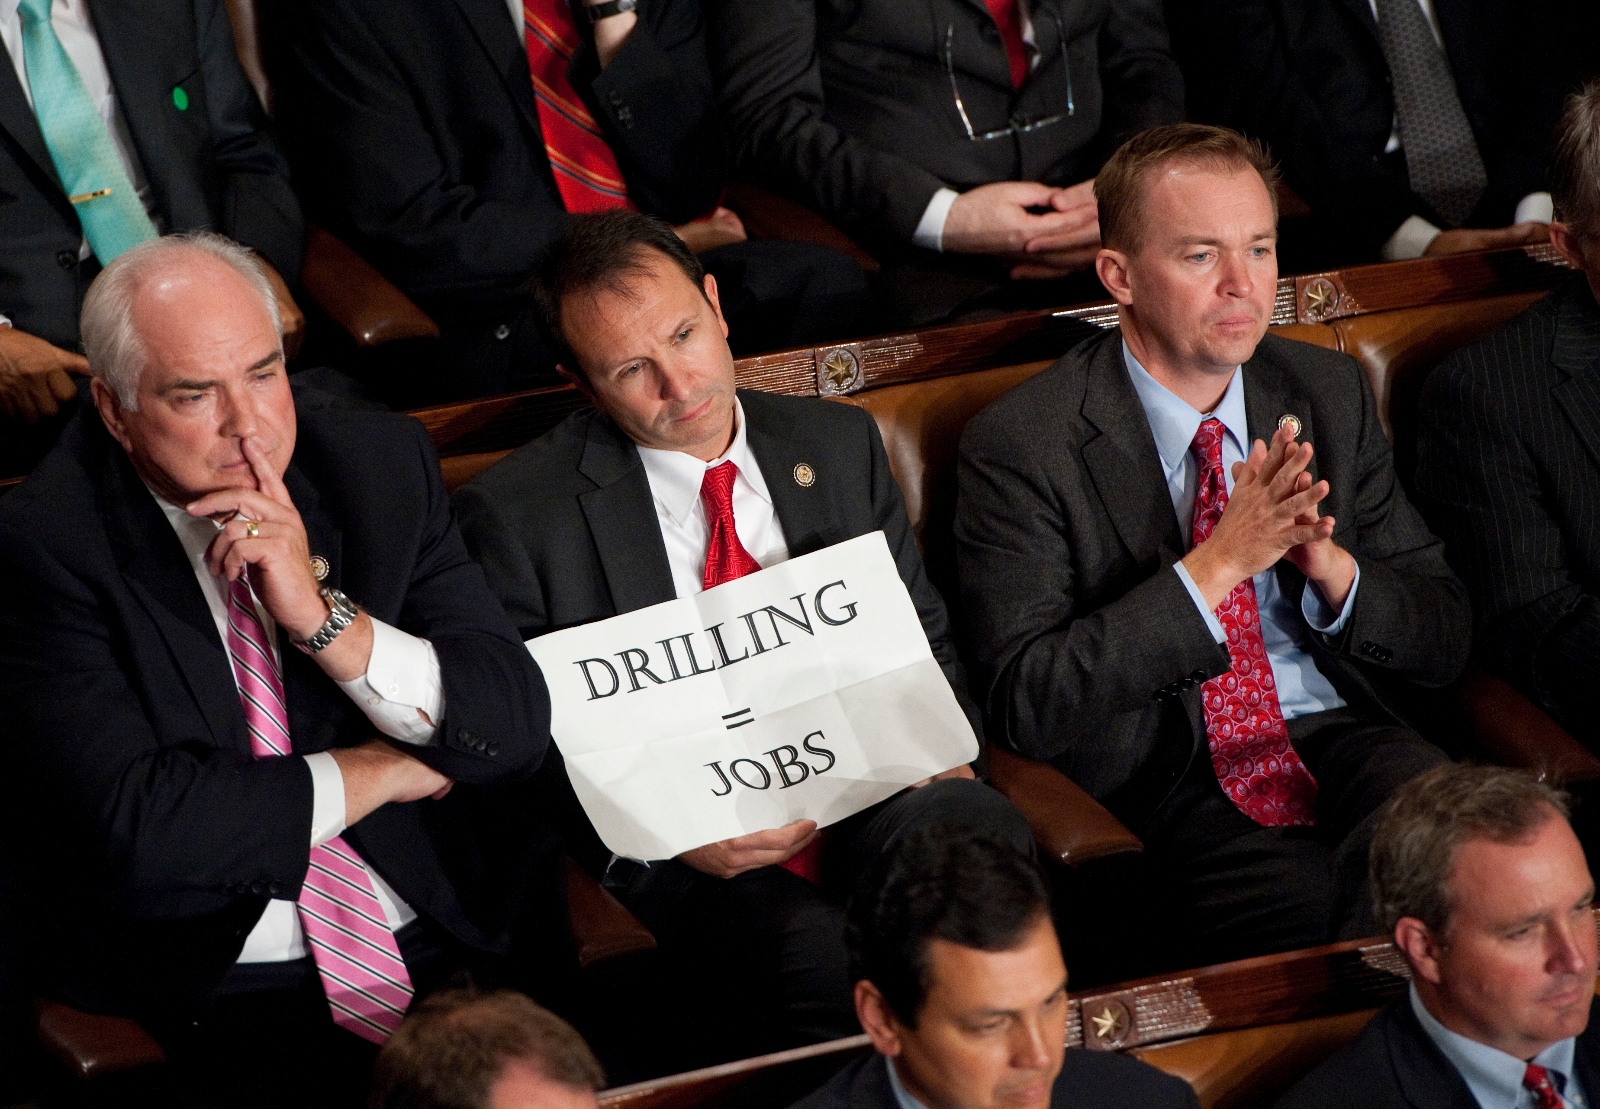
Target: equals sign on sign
[(738, 723)]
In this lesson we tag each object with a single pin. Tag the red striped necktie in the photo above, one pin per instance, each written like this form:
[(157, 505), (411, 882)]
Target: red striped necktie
[(584, 165), (1537, 1081), (727, 559), (363, 975)]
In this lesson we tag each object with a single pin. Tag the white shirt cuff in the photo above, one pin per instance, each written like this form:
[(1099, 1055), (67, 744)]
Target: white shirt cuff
[(1200, 603), (930, 230), (327, 797), (5, 321), (1410, 239), (1319, 614), (1535, 208), (401, 684)]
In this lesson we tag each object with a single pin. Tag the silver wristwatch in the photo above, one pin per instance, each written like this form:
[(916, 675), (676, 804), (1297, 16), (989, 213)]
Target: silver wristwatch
[(341, 614)]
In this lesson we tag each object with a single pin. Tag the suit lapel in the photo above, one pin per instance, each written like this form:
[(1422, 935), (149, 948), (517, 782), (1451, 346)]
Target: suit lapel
[(496, 33), (142, 44), (1586, 1054), (157, 570), (804, 512), (1426, 1078), (1123, 463), (304, 685), (18, 120), (1576, 357), (621, 514), (1362, 11)]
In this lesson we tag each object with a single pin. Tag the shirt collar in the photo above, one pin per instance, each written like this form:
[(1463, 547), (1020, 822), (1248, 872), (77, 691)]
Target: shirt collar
[(194, 532), (902, 1096), (8, 8), (1494, 1077), (1174, 423), (676, 477)]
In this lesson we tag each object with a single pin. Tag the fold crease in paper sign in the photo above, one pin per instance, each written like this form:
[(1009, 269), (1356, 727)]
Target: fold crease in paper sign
[(803, 691)]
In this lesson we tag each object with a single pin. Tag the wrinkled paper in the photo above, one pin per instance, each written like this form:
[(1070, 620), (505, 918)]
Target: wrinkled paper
[(803, 691)]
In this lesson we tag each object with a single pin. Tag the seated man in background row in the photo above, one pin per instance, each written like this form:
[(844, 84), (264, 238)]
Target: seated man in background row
[(461, 1049), (1410, 127), (957, 141), (241, 646), (1483, 885), (449, 142), (92, 166), (673, 484), (960, 984), (1179, 602), (1506, 469)]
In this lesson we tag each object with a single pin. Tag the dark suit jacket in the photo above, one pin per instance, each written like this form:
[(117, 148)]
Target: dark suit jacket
[(1395, 1065), (1098, 1079), (1508, 471), (1309, 78), (846, 106), (165, 836), (1091, 652), (415, 135), (567, 534), (211, 165)]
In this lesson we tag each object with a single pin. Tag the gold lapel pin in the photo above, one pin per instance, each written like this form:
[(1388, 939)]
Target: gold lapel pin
[(1292, 422), (804, 475), (319, 566)]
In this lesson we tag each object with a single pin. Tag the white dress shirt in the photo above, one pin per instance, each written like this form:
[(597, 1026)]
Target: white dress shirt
[(1413, 237), (1302, 688), (75, 29), (1495, 1078), (675, 480), (402, 682)]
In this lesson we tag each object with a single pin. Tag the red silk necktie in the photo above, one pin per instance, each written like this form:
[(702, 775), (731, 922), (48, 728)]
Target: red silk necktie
[(1008, 21), (584, 165), (357, 957), (1537, 1082), (1258, 767), (727, 559)]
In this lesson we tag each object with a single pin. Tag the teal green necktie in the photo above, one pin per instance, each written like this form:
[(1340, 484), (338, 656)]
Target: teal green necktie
[(80, 145)]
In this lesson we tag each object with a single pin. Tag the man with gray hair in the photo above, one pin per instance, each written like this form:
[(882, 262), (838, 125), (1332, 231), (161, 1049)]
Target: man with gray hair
[(1507, 472), (241, 647), (1478, 877)]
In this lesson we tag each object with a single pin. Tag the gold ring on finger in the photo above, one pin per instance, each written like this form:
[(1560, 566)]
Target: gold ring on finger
[(251, 529)]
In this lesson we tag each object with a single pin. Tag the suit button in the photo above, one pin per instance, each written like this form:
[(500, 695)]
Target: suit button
[(1188, 683), (466, 736), (1198, 676), (1162, 695), (503, 332), (492, 750), (615, 98), (66, 259), (625, 116), (273, 888), (258, 888)]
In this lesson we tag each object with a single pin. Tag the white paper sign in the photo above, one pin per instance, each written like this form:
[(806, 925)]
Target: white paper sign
[(804, 691)]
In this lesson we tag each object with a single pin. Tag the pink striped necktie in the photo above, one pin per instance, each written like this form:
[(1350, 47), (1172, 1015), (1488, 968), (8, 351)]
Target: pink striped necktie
[(363, 975)]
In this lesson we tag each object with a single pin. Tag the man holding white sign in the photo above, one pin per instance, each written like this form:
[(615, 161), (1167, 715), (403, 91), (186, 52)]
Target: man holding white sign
[(675, 486)]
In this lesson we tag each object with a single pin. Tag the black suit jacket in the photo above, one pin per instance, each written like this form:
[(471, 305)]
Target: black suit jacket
[(567, 534), (1508, 471), (1309, 78), (1395, 1065), (846, 105), (211, 165), (1097, 1079), (415, 135), (1090, 650), (165, 836)]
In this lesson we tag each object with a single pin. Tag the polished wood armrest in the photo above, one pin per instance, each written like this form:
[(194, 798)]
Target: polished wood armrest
[(1513, 731), (90, 1045), (357, 297), (602, 928), (1068, 825), (769, 216)]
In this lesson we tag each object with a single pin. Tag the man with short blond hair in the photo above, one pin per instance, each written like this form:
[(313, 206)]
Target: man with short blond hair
[(1190, 578), (1478, 877)]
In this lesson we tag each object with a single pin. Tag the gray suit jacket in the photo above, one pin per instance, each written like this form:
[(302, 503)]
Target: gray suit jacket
[(1508, 471), (1089, 650)]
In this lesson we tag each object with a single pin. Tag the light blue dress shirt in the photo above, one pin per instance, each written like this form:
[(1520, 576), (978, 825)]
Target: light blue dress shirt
[(902, 1096), (1302, 689), (1494, 1077)]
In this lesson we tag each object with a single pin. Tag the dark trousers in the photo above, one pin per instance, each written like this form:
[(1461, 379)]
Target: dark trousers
[(1233, 889), (759, 960)]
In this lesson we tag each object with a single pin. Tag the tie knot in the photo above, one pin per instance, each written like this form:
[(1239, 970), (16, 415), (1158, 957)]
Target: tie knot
[(716, 490), (34, 11), (1537, 1080), (1208, 441)]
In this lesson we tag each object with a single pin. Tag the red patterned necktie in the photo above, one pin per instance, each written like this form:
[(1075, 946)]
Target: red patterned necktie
[(1006, 18), (365, 979), (1537, 1082), (727, 559), (1258, 767), (585, 167)]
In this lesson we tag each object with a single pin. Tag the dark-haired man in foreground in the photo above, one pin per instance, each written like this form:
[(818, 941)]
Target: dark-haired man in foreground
[(1478, 877), (673, 484), (960, 984)]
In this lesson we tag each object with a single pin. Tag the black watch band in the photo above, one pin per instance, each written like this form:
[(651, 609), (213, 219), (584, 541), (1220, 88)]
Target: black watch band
[(597, 12)]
